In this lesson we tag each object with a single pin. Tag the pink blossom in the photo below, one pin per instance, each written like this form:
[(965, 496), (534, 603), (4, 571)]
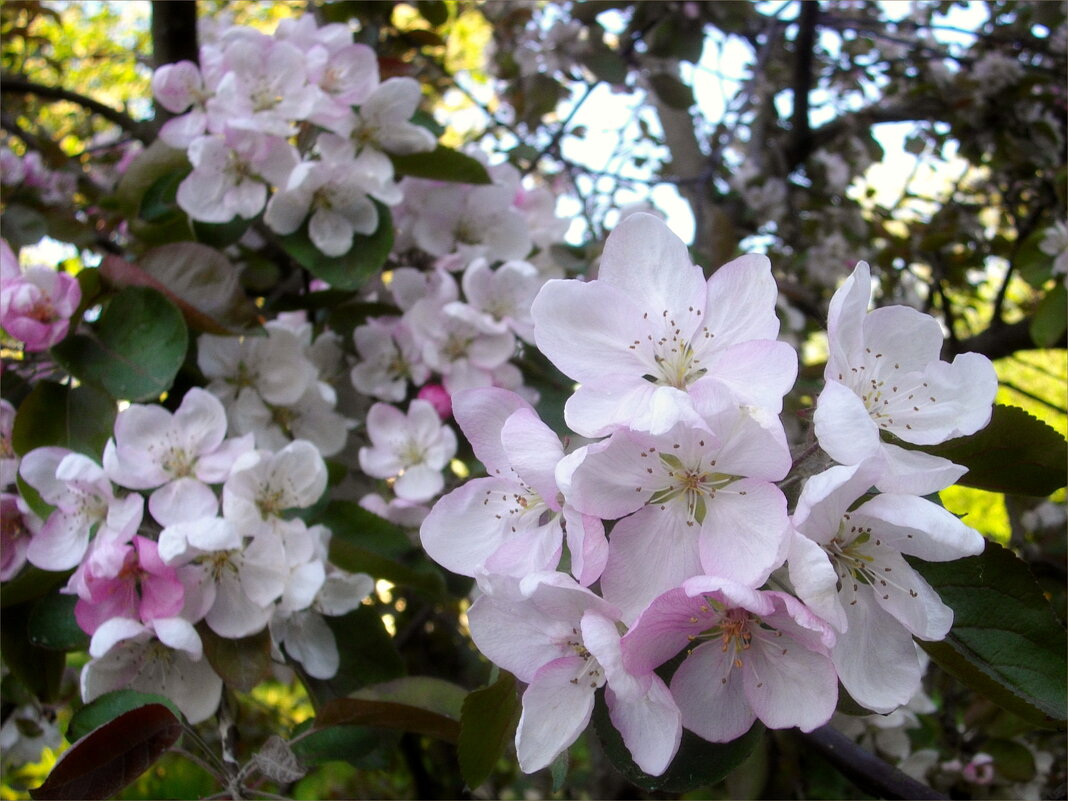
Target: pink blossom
[(17, 526), (438, 397), (36, 305)]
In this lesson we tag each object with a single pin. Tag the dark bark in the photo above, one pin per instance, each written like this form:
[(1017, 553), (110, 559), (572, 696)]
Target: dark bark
[(999, 341), (174, 31), (11, 83), (800, 132)]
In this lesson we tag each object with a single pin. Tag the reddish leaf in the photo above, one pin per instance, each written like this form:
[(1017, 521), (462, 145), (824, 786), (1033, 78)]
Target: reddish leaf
[(112, 756), (387, 715)]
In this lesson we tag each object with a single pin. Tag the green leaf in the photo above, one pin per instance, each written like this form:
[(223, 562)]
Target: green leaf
[(23, 226), (1013, 761), (241, 663), (109, 706), (436, 12), (606, 64), (358, 745), (365, 529), (1016, 453), (1006, 643), (52, 624), (671, 90), (40, 669), (425, 692), (697, 763), (351, 270), (487, 725), (1051, 317), (442, 164), (136, 349), (30, 584), (80, 419), (113, 755), (367, 655)]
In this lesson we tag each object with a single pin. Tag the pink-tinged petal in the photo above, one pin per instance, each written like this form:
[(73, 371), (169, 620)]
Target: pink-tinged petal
[(181, 501), (314, 646), (744, 534), (651, 725), (531, 549), (915, 472), (827, 496), (906, 335), (792, 617), (301, 471), (650, 552), (815, 580), (613, 478), (263, 571), (758, 372), (533, 450), (38, 469), (916, 526), (661, 631), (587, 545), (215, 467), (419, 483), (797, 688), (561, 597), (741, 301), (555, 712), (468, 525), (709, 692), (731, 593), (586, 330), (112, 598), (650, 264), (844, 428), (379, 462), (876, 658), (233, 613), (61, 543), (613, 402), (517, 635), (331, 232), (752, 443)]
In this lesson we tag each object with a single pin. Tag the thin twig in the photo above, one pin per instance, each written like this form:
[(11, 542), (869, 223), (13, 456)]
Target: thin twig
[(14, 84)]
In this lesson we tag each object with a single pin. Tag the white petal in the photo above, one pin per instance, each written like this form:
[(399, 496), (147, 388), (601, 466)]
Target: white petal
[(555, 713)]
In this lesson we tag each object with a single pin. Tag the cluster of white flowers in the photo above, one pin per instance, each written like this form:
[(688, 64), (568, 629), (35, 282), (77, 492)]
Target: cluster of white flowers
[(215, 546), (669, 526), (241, 110)]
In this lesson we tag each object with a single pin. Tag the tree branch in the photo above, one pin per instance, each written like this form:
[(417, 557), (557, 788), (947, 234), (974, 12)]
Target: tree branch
[(174, 32), (800, 132), (867, 771), (13, 84), (999, 341)]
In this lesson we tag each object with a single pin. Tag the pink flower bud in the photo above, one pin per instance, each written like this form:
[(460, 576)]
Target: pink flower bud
[(437, 396)]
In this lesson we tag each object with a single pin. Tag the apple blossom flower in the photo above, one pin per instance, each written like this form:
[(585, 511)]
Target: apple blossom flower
[(650, 328), (18, 525), (312, 418), (846, 564), (561, 639), (503, 295), (511, 521), (410, 447), (389, 358), (293, 478), (752, 655), (165, 657), (470, 222), (693, 501), (1055, 243), (438, 397), (275, 366), (884, 373), (83, 498), (36, 305), (153, 446), (177, 87), (382, 121)]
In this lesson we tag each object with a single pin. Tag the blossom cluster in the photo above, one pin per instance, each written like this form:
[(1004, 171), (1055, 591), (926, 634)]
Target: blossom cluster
[(216, 546), (663, 532), (36, 303), (240, 112)]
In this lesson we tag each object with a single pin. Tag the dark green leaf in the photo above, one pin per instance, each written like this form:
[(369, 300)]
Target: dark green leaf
[(605, 64), (31, 583), (1051, 317), (357, 526), (1013, 761), (357, 745), (241, 663), (220, 235), (52, 624), (109, 706), (697, 763), (1006, 642), (442, 164), (671, 90), (80, 419), (487, 725), (351, 270), (113, 755), (159, 202), (136, 349), (367, 654), (424, 692), (1016, 453)]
